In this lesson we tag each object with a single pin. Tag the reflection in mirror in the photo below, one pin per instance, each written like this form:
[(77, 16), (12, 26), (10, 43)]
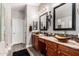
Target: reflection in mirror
[(35, 25), (43, 22), (64, 16)]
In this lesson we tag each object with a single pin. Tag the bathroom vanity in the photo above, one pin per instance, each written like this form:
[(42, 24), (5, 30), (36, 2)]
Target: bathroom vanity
[(64, 19), (50, 46)]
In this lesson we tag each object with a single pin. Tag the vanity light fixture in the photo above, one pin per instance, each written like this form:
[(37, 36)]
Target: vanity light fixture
[(49, 17)]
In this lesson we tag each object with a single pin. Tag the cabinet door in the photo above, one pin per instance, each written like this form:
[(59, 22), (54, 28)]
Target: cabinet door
[(36, 43), (51, 48), (33, 40), (51, 52), (42, 46), (50, 44), (68, 51), (61, 53)]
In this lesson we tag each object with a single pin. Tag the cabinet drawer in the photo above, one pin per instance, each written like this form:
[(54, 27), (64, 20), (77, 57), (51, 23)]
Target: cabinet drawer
[(72, 52), (52, 45), (42, 40), (63, 54), (51, 52), (36, 43)]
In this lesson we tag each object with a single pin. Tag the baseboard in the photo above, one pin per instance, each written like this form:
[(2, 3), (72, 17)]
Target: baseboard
[(31, 54), (27, 46)]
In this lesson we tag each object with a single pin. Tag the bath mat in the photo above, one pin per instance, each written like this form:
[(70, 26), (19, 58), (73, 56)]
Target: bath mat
[(23, 52)]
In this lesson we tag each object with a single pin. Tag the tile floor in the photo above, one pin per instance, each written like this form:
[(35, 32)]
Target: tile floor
[(33, 52)]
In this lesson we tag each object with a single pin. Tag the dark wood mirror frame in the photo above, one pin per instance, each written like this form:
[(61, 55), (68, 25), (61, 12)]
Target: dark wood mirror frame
[(46, 28), (73, 18)]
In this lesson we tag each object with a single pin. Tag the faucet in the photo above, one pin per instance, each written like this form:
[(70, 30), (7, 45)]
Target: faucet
[(65, 32)]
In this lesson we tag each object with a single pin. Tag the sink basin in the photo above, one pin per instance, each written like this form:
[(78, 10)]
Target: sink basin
[(62, 38)]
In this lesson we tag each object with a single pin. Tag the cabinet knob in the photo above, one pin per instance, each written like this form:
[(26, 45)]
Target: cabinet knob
[(55, 50), (67, 50), (46, 48), (58, 52)]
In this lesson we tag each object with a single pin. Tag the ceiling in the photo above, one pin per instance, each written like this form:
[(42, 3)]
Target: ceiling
[(34, 4), (18, 6)]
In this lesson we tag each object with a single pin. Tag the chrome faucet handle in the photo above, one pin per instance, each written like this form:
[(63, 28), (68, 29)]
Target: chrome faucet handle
[(65, 32)]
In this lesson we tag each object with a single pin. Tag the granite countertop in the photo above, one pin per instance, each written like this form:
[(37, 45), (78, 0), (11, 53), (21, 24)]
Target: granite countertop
[(71, 43)]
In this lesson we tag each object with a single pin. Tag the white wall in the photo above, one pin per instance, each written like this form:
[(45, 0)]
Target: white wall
[(7, 24), (0, 22), (17, 17), (32, 12)]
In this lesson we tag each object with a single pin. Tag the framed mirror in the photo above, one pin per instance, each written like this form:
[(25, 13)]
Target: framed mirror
[(43, 25), (64, 17), (35, 25)]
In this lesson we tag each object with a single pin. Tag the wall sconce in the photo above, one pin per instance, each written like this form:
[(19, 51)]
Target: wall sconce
[(49, 17)]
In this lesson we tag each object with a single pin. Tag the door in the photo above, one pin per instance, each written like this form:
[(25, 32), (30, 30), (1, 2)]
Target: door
[(17, 31)]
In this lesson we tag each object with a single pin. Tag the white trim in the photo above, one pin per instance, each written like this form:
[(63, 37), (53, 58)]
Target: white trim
[(31, 54), (27, 46)]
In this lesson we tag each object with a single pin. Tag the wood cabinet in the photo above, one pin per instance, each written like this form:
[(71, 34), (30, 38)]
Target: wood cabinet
[(61, 53), (42, 46), (51, 48), (35, 42), (67, 51), (54, 49)]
